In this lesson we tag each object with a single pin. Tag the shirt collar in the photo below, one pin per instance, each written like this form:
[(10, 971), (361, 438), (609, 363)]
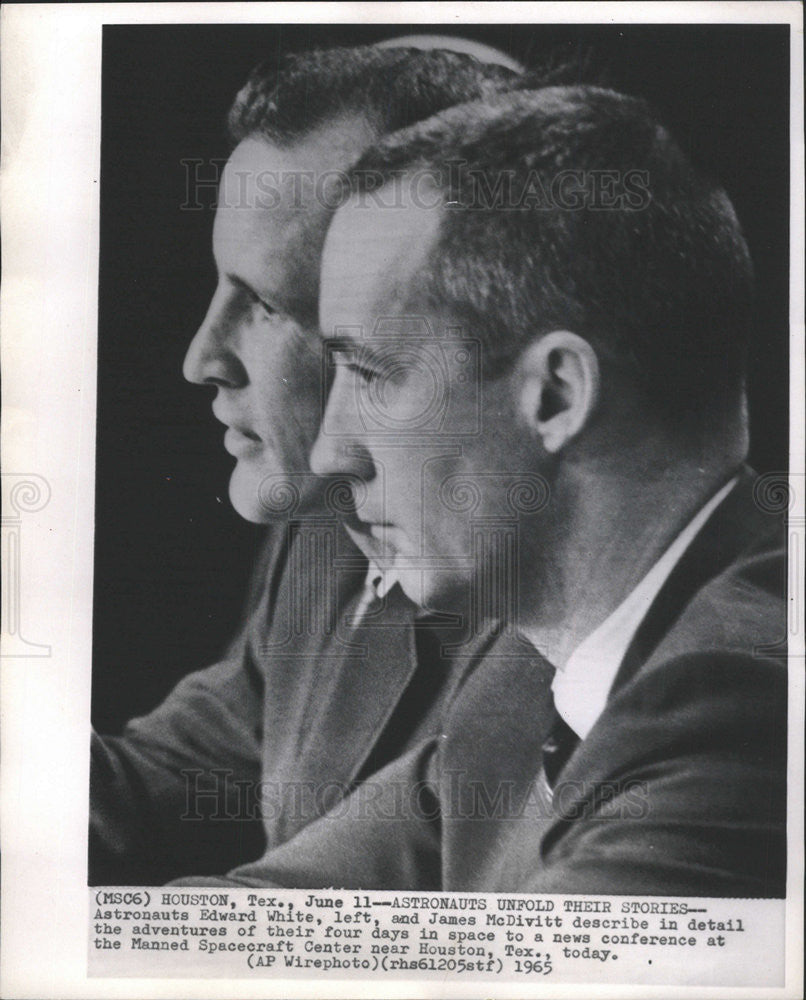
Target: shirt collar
[(377, 585), (381, 580), (582, 686)]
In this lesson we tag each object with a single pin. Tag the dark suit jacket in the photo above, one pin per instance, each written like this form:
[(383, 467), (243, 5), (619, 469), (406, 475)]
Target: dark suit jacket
[(304, 709), (680, 788)]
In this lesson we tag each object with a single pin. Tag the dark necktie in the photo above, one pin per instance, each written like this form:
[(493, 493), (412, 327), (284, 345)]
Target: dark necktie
[(558, 747), (555, 752)]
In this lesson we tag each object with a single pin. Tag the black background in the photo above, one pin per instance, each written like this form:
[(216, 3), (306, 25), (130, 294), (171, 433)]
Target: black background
[(171, 557)]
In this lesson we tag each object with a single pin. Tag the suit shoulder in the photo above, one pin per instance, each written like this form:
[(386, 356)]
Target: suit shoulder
[(740, 611)]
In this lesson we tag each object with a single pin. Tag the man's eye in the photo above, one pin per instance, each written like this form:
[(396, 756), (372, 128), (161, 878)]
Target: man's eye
[(352, 361), (248, 295), (256, 300), (347, 360), (264, 306), (367, 375)]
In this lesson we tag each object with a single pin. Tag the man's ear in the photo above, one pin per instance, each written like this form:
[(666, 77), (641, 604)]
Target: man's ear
[(559, 386)]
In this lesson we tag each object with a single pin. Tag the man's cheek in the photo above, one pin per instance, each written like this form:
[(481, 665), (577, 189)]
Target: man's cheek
[(293, 441)]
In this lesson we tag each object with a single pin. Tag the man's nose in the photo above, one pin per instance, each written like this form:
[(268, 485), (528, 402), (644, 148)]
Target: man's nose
[(212, 358), (338, 448)]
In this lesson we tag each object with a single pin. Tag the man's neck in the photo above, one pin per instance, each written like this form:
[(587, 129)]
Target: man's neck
[(617, 529)]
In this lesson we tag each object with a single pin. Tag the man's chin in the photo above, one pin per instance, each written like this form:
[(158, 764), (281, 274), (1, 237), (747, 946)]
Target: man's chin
[(246, 501), (265, 494)]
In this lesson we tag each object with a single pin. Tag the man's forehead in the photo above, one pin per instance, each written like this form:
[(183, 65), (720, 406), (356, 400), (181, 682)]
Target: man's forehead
[(373, 256), (263, 177), (261, 173)]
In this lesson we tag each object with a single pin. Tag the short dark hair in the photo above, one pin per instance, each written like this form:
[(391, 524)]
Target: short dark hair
[(391, 88), (660, 281)]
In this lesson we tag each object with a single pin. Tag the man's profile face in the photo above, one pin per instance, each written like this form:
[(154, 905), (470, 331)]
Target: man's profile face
[(258, 344), (433, 445)]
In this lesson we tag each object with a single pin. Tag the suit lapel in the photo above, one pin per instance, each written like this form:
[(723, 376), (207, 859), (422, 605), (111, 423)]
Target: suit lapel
[(362, 690), (330, 686)]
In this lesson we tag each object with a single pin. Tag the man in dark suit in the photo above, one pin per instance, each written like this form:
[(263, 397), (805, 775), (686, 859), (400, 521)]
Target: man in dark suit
[(309, 702), (606, 286)]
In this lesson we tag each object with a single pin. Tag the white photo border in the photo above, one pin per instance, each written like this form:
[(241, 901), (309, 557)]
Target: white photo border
[(51, 100)]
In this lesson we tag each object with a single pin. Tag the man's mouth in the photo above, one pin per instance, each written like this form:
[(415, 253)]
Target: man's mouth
[(239, 441), (231, 420)]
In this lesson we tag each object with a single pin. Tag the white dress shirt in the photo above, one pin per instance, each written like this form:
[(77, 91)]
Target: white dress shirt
[(581, 687)]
